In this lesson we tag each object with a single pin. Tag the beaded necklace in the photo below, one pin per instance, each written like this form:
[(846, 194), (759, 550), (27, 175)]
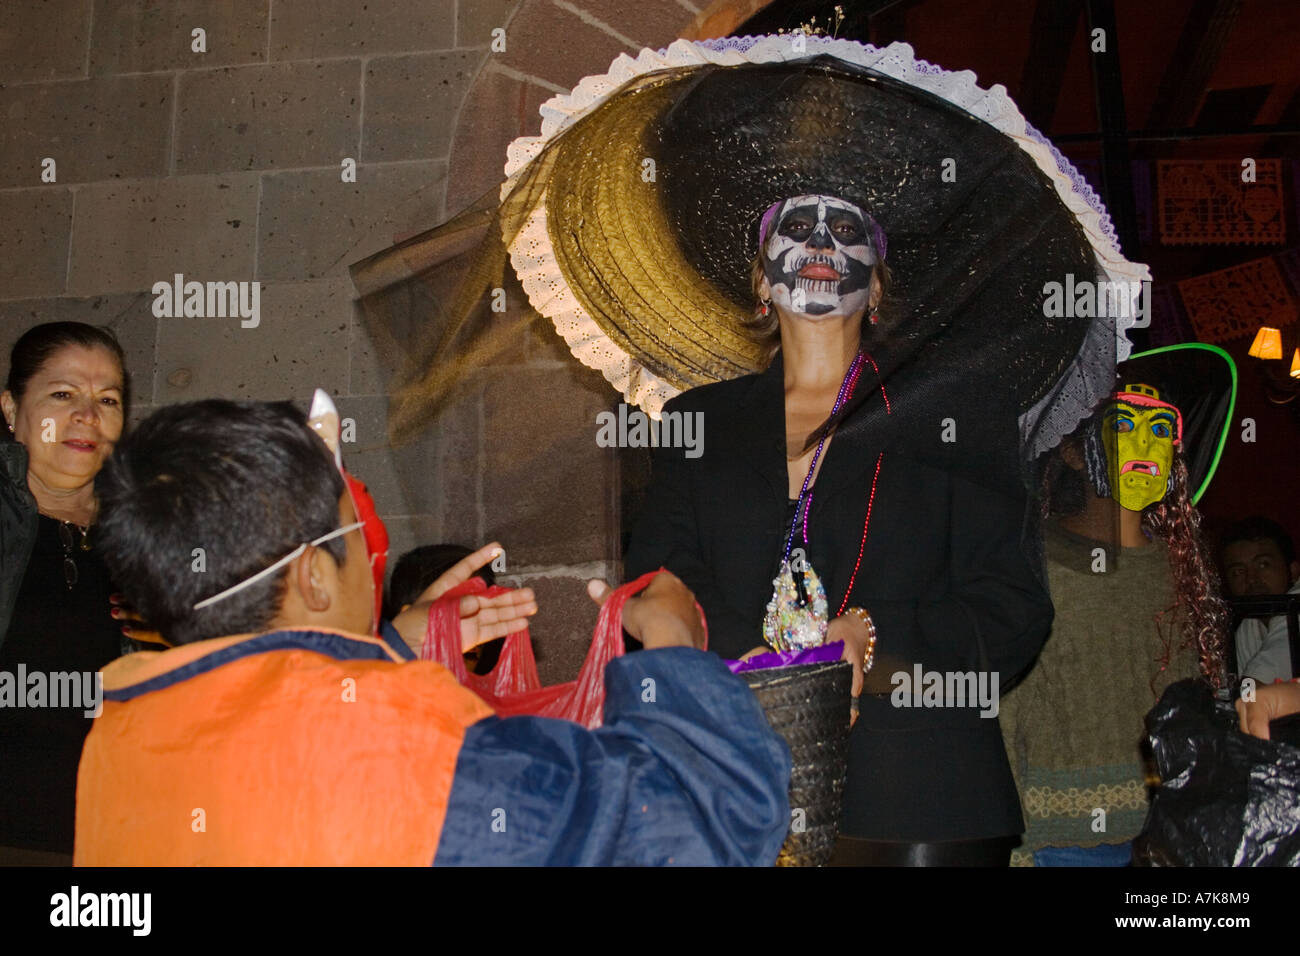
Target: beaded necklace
[(797, 616)]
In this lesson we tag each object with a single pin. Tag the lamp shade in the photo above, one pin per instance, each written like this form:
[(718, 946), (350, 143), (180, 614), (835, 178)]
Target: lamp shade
[(1267, 344), (1295, 364)]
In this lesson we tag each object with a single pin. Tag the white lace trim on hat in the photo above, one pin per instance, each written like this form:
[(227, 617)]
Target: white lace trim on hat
[(534, 259)]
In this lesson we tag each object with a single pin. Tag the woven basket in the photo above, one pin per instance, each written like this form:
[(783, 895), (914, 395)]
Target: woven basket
[(809, 707)]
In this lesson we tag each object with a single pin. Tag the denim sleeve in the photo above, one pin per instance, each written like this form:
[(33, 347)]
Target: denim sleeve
[(686, 770)]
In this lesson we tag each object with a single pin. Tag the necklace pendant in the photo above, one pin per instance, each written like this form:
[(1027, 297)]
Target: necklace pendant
[(797, 616)]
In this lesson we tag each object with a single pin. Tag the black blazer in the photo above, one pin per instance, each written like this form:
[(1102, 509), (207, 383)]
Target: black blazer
[(942, 575)]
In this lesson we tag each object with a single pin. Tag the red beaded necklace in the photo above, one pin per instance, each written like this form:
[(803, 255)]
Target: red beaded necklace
[(871, 498)]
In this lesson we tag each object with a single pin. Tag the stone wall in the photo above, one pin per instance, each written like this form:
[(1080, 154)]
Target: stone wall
[(226, 165)]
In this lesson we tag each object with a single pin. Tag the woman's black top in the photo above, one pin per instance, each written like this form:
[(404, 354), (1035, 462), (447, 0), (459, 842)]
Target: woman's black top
[(54, 629), (942, 574)]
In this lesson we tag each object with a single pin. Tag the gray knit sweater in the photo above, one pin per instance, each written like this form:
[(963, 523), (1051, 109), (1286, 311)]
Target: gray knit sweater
[(1074, 726)]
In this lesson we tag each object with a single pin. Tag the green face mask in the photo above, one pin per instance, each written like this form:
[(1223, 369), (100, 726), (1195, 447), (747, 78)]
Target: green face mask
[(1140, 433)]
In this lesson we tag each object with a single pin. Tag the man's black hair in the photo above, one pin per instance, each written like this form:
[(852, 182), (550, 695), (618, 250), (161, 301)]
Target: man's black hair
[(245, 482), (1259, 528)]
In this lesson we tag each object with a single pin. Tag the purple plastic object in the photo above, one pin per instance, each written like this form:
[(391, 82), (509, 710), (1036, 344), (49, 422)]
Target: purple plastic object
[(811, 655)]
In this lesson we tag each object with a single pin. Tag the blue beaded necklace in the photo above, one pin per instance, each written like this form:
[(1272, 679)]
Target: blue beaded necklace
[(797, 614)]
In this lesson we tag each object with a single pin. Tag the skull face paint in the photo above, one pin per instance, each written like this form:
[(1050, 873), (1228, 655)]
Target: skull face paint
[(1140, 433), (818, 257)]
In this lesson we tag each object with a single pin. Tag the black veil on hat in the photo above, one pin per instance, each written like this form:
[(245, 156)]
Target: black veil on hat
[(632, 220)]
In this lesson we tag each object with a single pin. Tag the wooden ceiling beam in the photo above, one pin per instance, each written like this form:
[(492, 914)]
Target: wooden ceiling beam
[(1187, 76), (1051, 34), (1108, 87)]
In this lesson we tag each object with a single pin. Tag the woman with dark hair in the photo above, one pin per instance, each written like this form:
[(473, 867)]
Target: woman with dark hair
[(64, 405)]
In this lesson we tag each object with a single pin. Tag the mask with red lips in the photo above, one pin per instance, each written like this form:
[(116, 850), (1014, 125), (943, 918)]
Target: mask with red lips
[(1141, 433), (818, 257)]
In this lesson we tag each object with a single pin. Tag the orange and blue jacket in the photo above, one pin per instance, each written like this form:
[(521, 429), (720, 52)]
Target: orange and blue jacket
[(302, 747)]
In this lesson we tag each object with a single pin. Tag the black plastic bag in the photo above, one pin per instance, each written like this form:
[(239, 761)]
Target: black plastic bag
[(1228, 799)]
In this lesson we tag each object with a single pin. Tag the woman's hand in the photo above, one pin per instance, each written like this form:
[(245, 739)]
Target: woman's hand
[(119, 610), (853, 633), (1271, 702), (662, 615)]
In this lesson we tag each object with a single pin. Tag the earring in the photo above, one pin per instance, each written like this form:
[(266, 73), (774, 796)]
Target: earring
[(765, 307), (873, 316)]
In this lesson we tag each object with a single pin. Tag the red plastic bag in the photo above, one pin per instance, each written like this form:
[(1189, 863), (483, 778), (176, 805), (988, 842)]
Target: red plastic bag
[(513, 688), (376, 536)]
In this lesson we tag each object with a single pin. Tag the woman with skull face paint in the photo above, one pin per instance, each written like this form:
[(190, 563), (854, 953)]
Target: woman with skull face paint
[(827, 500), (909, 565)]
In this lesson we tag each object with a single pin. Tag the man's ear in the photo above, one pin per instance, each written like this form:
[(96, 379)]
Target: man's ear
[(764, 289), (308, 578)]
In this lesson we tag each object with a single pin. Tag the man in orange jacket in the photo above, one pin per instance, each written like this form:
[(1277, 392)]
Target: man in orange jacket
[(277, 731)]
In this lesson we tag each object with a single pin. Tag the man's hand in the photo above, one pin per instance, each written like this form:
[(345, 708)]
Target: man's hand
[(460, 572), (1271, 702), (482, 618), (663, 615)]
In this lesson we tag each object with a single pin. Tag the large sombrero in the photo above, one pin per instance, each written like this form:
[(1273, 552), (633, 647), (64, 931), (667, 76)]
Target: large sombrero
[(632, 220), (644, 192)]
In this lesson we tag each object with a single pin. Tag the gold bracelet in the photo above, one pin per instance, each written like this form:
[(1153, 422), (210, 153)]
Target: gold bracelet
[(869, 657)]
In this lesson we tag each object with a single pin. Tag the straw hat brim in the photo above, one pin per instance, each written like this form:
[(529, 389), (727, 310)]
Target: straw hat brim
[(649, 183)]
